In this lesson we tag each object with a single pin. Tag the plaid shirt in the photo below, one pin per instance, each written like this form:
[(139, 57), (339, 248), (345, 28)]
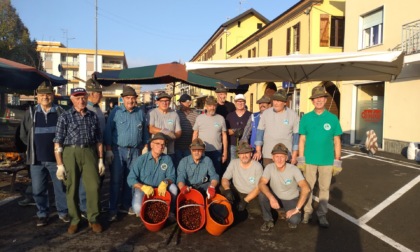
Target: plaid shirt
[(73, 128)]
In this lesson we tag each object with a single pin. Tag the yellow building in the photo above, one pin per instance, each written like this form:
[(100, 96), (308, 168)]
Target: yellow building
[(77, 65), (389, 108), (227, 36)]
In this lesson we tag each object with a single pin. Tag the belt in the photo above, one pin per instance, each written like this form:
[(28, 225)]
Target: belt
[(79, 145)]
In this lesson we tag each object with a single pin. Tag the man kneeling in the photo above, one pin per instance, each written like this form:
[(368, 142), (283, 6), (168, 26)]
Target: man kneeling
[(285, 180)]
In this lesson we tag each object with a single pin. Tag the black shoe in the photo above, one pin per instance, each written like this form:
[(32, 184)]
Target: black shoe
[(27, 202), (83, 215), (43, 221)]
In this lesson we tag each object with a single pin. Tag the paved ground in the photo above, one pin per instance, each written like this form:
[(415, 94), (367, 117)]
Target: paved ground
[(373, 207)]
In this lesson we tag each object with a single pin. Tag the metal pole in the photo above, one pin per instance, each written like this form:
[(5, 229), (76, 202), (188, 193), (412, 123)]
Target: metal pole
[(96, 36)]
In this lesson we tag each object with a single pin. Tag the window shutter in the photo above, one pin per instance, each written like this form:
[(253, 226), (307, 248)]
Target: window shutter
[(298, 37), (324, 31), (288, 41)]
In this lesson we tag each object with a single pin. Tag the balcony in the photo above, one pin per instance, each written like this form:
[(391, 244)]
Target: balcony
[(70, 64), (410, 38), (112, 66)]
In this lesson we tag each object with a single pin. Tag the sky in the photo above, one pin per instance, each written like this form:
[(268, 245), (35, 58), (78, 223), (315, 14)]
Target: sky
[(149, 32)]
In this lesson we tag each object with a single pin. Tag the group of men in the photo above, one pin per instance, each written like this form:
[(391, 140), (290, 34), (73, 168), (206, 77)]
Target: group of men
[(252, 155)]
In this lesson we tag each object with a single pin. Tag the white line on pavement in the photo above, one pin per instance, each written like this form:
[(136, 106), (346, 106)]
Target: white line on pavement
[(387, 160)]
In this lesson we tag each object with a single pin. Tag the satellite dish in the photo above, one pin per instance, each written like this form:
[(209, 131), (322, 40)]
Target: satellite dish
[(60, 68)]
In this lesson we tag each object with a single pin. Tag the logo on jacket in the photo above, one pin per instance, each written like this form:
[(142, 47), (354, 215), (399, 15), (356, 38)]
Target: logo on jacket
[(327, 126), (164, 166)]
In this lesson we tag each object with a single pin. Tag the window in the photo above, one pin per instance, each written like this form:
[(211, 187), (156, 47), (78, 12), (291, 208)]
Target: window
[(254, 52), (296, 38), (288, 41), (221, 43), (239, 23), (270, 47), (372, 27), (337, 31), (249, 53), (259, 26)]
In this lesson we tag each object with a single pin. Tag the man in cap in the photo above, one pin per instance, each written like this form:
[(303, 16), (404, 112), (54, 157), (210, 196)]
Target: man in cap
[(197, 171), (187, 117), (78, 151), (319, 152), (94, 90), (278, 124), (235, 123), (151, 170), (37, 131), (223, 107), (165, 120), (245, 174), (126, 135), (270, 89), (288, 188), (250, 131), (211, 128)]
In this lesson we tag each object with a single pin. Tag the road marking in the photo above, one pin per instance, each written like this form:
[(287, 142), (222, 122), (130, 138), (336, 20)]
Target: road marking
[(351, 155), (367, 228), (388, 201)]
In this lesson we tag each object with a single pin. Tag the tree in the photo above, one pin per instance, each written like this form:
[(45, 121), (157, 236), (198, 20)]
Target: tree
[(15, 42)]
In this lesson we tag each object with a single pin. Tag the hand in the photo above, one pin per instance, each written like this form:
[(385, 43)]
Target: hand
[(301, 164), (242, 205), (229, 195), (168, 133), (148, 190), (101, 167), (162, 188), (224, 157), (293, 161), (292, 212), (185, 189), (109, 157), (257, 155), (337, 167), (211, 192), (61, 172)]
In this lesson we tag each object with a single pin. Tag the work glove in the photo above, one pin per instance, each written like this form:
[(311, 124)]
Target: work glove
[(109, 156), (168, 133), (148, 190), (61, 172), (242, 205), (301, 164), (211, 192), (185, 189), (337, 167), (238, 132), (162, 188), (229, 195), (101, 167)]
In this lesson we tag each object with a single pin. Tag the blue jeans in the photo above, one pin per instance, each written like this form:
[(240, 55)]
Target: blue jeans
[(139, 194), (180, 154), (39, 174), (120, 192), (232, 150), (216, 158)]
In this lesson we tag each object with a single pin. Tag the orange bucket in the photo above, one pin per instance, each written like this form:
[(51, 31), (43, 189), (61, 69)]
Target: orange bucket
[(198, 198), (154, 227), (212, 226)]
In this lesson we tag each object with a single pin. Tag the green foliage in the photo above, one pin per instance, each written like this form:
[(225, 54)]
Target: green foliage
[(15, 42)]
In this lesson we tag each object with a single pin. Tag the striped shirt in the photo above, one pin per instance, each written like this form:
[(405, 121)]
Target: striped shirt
[(73, 128), (187, 121), (126, 129)]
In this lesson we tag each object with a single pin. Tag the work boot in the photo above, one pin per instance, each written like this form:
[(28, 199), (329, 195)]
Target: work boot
[(306, 218), (323, 222), (267, 226), (72, 229), (96, 227), (42, 221)]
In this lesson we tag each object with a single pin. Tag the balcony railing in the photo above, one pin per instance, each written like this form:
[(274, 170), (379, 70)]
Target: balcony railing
[(112, 65), (70, 64), (410, 38)]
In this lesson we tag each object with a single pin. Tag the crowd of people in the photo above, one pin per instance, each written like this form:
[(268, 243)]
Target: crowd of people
[(263, 161)]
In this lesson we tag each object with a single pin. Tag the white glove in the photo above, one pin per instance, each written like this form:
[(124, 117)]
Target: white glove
[(61, 172), (109, 156), (101, 167), (169, 133)]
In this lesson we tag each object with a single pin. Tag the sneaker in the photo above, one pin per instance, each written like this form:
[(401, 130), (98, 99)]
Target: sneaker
[(42, 221), (112, 217), (306, 218), (65, 218), (267, 226), (131, 211), (291, 225), (83, 215), (323, 222), (27, 202)]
